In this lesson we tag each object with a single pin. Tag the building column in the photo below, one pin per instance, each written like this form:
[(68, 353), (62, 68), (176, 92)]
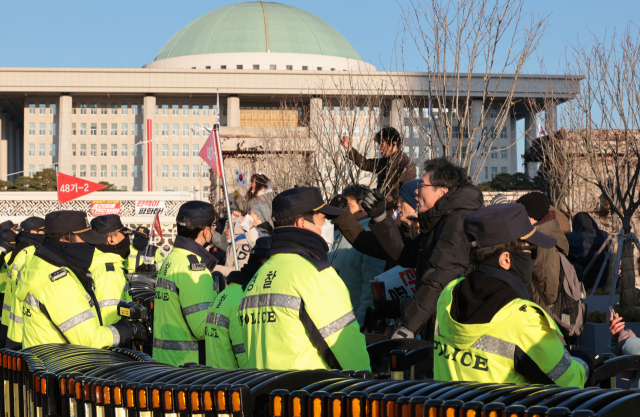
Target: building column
[(65, 139), (396, 115), (316, 124), (8, 133), (512, 135), (551, 118), (149, 114), (233, 111), (4, 149), (530, 133)]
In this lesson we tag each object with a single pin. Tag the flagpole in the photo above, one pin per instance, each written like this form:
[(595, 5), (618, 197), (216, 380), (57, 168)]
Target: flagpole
[(146, 252), (226, 197), (58, 187)]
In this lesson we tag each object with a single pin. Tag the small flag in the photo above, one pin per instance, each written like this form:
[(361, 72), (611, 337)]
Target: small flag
[(241, 177), (211, 152), (156, 225), (541, 131), (70, 188)]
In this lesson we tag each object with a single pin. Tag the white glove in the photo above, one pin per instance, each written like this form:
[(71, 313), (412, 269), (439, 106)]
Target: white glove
[(403, 333)]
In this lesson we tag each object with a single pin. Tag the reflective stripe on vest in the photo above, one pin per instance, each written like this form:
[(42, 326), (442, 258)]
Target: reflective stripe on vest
[(337, 325), (195, 308), (238, 349), (31, 300), (15, 318), (561, 367), (6, 307), (174, 345), (167, 285), (108, 303), (218, 320), (270, 300), (496, 346), (75, 320), (116, 335)]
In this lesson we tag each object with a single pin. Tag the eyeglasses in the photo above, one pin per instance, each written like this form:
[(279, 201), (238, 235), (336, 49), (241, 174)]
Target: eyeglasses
[(420, 185)]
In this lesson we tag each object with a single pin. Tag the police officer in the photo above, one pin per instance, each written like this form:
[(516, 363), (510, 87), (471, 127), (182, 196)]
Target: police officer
[(56, 289), (140, 249), (185, 288), (224, 343), (107, 266), (32, 235), (7, 243), (488, 329), (296, 312)]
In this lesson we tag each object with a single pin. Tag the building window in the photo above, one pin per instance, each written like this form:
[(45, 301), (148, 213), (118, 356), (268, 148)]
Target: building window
[(165, 109), (205, 172), (174, 171), (73, 149), (238, 66), (103, 149), (94, 108), (83, 171), (185, 109), (503, 170), (32, 170), (454, 132), (114, 171), (94, 171), (32, 129), (155, 133), (305, 68), (94, 150), (195, 171), (185, 171), (83, 129), (503, 154), (32, 149), (290, 67), (52, 108), (503, 133), (124, 128), (493, 113), (32, 108), (319, 68), (165, 150), (256, 67), (174, 151), (165, 129), (114, 129), (123, 171), (223, 67), (42, 129), (73, 170), (205, 110), (123, 188), (134, 171), (43, 108), (103, 108), (52, 149), (356, 131), (103, 129), (94, 129), (83, 108), (272, 67), (196, 129), (103, 171), (134, 129), (156, 150), (114, 150), (196, 110), (123, 109), (494, 153), (114, 109), (174, 129), (83, 150), (165, 171), (134, 150), (494, 172), (195, 150), (185, 129), (123, 150), (41, 151), (185, 150), (134, 109)]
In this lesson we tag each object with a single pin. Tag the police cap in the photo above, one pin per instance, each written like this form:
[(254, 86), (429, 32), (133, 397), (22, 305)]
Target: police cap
[(299, 200), (503, 223), (6, 225), (109, 223), (71, 221), (141, 231), (196, 214), (8, 236), (32, 223)]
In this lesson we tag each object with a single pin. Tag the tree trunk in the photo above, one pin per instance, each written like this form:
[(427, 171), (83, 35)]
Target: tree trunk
[(611, 265), (627, 277)]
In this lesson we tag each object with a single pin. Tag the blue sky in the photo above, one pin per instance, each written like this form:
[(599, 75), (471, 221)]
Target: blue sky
[(117, 33)]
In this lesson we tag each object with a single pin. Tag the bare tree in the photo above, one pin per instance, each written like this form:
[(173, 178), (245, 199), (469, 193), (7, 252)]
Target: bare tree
[(467, 46)]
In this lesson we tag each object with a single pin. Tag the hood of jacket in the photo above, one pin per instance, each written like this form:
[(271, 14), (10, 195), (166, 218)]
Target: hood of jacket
[(466, 197), (553, 229), (583, 221)]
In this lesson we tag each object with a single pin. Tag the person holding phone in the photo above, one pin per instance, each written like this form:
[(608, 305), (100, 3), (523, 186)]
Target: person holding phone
[(623, 342)]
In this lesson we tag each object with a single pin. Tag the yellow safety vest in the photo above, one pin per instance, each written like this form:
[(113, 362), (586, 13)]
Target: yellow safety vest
[(486, 352), (223, 342), (14, 326), (111, 284), (130, 263)]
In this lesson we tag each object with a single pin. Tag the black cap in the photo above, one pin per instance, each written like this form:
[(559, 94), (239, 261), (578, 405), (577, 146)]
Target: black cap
[(141, 231), (503, 223), (301, 200), (260, 249), (196, 213), (32, 223), (7, 225), (76, 222), (8, 236), (109, 223), (536, 204)]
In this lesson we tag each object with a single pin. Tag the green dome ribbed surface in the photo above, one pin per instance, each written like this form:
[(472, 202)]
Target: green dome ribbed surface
[(249, 27)]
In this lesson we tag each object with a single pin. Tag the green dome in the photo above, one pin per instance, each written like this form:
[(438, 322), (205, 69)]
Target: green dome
[(258, 27)]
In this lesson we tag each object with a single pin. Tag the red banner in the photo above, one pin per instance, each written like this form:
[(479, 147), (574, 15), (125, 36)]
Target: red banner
[(101, 208), (157, 226), (70, 188), (211, 152)]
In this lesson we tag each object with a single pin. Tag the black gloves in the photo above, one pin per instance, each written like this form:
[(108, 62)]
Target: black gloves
[(147, 268), (375, 206), (386, 309), (130, 330), (338, 201)]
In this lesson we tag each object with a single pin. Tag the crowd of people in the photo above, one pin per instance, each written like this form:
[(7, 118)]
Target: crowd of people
[(489, 279)]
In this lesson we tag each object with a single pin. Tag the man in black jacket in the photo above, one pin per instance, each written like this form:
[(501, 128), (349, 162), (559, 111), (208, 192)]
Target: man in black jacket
[(440, 253)]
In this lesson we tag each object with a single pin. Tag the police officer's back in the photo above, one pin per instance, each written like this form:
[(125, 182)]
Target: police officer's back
[(185, 289), (32, 234), (296, 311), (7, 244), (141, 249), (224, 342), (107, 266), (488, 329), (57, 288)]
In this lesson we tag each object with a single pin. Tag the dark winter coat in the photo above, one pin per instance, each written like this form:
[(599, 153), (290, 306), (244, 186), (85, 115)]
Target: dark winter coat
[(440, 253), (393, 172), (546, 269), (593, 240)]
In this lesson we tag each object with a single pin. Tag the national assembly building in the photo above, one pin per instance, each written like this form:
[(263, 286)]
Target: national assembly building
[(254, 58)]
